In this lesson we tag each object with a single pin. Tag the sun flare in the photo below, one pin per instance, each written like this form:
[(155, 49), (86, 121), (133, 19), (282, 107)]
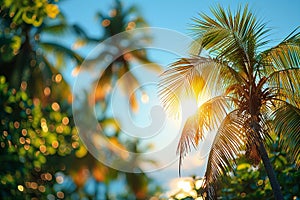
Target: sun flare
[(189, 107)]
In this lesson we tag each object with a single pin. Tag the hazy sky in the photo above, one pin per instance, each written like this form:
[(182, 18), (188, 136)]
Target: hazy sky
[(281, 16)]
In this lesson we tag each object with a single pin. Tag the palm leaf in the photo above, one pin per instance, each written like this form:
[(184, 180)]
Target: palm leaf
[(229, 76), (227, 145), (179, 81), (282, 67), (129, 84), (57, 48), (59, 28), (283, 56), (293, 38), (287, 84), (230, 38), (140, 56), (175, 82), (208, 116), (83, 35), (287, 126)]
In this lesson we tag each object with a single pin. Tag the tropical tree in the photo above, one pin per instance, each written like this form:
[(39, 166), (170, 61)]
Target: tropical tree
[(252, 88), (26, 54), (36, 123), (118, 20), (31, 62)]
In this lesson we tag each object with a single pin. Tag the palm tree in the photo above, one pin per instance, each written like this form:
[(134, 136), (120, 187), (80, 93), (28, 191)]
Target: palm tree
[(118, 20), (253, 89)]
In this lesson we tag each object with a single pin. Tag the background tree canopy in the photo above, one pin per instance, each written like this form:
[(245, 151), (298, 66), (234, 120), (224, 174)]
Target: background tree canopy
[(39, 141)]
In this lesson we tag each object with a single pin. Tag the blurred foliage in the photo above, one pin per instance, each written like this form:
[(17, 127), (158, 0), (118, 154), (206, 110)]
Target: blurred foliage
[(30, 12), (30, 135), (115, 21), (25, 57), (41, 150), (125, 50)]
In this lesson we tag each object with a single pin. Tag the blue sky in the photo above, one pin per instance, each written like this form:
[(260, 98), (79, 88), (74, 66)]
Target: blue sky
[(281, 16)]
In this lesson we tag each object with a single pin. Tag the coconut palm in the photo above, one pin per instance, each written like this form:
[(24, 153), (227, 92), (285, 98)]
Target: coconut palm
[(253, 89), (118, 20)]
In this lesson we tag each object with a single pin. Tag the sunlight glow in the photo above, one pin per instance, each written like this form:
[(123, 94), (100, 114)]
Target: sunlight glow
[(184, 185), (188, 107), (198, 183)]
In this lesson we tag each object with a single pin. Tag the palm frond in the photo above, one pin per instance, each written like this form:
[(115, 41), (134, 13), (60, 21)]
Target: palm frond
[(59, 28), (176, 81), (232, 38), (188, 76), (285, 55), (208, 116), (140, 56), (282, 67), (227, 144), (293, 37), (287, 84), (229, 76), (57, 48), (287, 126), (79, 31)]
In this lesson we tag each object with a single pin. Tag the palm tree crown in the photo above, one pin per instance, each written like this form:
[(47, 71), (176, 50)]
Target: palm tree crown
[(252, 87)]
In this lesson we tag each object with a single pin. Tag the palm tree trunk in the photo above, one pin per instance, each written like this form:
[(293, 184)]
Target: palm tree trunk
[(270, 172)]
